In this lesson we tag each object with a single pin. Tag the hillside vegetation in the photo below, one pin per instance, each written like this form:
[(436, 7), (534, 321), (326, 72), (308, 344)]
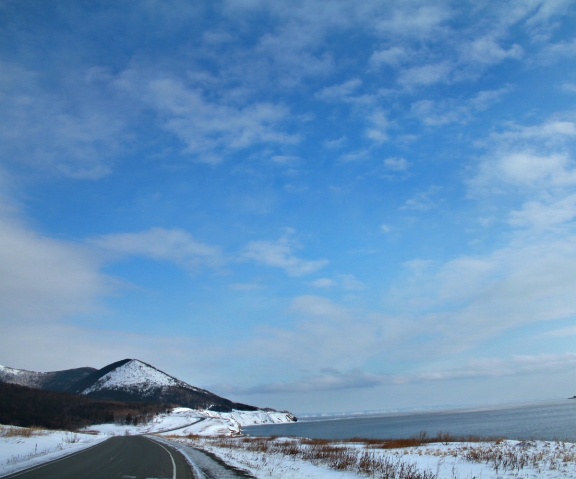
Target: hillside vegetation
[(24, 406)]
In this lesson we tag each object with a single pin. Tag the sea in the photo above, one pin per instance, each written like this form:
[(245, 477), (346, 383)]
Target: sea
[(546, 420)]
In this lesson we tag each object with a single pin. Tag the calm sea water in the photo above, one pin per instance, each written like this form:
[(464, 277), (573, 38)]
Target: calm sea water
[(543, 420)]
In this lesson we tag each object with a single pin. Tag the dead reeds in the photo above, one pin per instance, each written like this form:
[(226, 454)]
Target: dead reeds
[(13, 431), (338, 456)]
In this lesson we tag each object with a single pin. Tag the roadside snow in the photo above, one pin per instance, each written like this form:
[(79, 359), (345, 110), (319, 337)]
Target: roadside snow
[(19, 452), (488, 460)]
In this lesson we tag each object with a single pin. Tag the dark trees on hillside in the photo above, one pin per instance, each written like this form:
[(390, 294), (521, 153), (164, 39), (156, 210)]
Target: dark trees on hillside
[(23, 406)]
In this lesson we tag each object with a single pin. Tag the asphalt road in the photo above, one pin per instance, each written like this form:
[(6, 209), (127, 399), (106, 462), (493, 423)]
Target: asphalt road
[(122, 457)]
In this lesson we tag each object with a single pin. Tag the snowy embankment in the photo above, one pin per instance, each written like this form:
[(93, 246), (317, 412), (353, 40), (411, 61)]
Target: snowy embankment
[(21, 448), (284, 458), (183, 421)]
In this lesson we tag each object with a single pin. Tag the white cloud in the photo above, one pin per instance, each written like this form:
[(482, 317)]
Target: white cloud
[(332, 379), (355, 155), (52, 345), (486, 50), (556, 51), (285, 159), (329, 379), (385, 228), (345, 281), (349, 282), (420, 22), (425, 75), (205, 126), (378, 132), (339, 92), (551, 133), (494, 367), (323, 283), (396, 164), (338, 143), (316, 337), (280, 254), (422, 201), (173, 245), (560, 333), (531, 169), (60, 133), (392, 56), (451, 110), (469, 299), (542, 216), (317, 306), (46, 279), (536, 160)]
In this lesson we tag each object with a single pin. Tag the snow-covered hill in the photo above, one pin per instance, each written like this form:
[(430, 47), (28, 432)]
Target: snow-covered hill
[(54, 380), (135, 380), (137, 376), (132, 380)]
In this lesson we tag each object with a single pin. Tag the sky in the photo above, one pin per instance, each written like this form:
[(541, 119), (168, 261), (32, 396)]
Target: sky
[(319, 206)]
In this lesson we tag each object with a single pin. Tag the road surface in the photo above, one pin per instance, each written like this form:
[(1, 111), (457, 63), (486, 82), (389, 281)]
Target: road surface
[(120, 457)]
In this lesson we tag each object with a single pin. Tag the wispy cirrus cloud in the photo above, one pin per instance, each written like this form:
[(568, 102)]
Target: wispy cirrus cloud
[(345, 281), (61, 133), (281, 254), (209, 129), (174, 245)]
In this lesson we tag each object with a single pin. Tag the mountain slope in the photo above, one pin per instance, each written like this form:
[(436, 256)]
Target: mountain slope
[(25, 406), (51, 381), (134, 380)]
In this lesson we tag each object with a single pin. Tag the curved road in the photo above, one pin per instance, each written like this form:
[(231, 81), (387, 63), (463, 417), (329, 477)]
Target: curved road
[(122, 457)]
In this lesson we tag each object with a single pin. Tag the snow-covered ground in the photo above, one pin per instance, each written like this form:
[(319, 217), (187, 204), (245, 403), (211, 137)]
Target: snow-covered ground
[(487, 460), (183, 421), (21, 448), (287, 458)]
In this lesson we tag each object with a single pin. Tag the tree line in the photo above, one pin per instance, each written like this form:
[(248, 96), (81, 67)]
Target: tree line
[(27, 407)]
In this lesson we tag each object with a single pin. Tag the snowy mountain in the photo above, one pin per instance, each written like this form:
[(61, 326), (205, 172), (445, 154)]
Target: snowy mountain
[(131, 380), (52, 381), (134, 380)]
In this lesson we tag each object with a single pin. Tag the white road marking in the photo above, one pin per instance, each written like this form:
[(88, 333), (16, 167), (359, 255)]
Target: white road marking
[(171, 457)]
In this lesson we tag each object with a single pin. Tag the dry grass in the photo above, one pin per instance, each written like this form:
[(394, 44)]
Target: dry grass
[(335, 455), (420, 440), (12, 431), (515, 457), (366, 456)]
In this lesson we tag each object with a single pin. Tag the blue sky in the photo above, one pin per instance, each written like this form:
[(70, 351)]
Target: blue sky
[(317, 206)]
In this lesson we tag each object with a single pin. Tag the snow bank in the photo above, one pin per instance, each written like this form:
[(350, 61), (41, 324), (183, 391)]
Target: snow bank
[(21, 448)]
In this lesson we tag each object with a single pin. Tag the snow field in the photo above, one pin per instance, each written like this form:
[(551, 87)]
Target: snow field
[(284, 458), (184, 421), (21, 448)]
